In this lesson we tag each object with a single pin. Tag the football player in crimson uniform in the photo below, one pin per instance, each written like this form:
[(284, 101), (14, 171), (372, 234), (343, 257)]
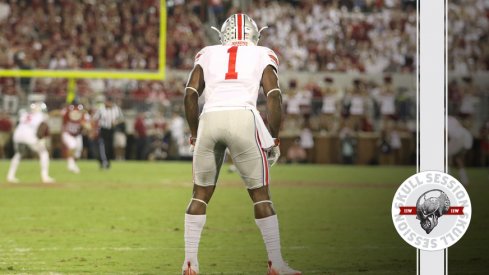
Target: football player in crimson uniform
[(75, 119), (229, 77), (31, 134)]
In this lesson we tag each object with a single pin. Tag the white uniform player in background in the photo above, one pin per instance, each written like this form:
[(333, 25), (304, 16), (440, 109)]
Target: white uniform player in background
[(459, 141), (229, 76), (30, 134)]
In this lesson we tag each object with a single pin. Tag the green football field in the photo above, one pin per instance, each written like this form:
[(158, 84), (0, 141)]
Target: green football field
[(129, 220)]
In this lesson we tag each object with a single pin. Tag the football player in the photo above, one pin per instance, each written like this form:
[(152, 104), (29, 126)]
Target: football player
[(229, 77), (459, 142), (31, 134), (75, 119)]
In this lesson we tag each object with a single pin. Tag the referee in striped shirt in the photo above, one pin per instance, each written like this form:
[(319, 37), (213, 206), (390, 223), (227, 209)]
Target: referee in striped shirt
[(109, 117)]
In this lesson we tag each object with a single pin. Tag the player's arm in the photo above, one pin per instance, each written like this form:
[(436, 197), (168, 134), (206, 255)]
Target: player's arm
[(195, 87), (272, 91)]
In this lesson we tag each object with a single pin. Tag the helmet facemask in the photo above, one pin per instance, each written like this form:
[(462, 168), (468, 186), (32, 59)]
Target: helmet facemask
[(239, 30), (38, 107)]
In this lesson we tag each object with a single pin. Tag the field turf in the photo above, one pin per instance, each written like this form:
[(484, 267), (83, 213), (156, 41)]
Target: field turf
[(129, 220)]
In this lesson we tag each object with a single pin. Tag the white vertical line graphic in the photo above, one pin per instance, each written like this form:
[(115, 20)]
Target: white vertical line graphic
[(431, 108)]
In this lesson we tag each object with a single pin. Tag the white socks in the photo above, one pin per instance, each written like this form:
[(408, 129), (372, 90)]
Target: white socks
[(71, 162), (14, 164), (271, 236), (268, 227), (193, 229), (44, 159)]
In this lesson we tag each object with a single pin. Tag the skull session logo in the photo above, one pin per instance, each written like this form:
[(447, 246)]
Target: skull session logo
[(431, 210)]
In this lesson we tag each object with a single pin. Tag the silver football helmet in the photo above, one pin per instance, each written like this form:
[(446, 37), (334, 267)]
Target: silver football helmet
[(239, 30)]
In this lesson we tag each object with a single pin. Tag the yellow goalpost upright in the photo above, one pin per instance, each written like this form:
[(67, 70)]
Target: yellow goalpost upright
[(72, 75)]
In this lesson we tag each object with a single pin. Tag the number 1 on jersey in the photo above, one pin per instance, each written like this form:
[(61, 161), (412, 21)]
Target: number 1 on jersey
[(232, 74)]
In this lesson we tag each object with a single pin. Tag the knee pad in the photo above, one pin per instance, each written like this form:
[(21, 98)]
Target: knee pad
[(264, 201), (198, 200)]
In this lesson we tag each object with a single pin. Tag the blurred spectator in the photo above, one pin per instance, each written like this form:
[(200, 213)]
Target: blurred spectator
[(177, 130), (82, 34), (385, 150), (316, 99), (345, 36), (293, 100), (396, 144), (386, 101), (22, 62), (330, 106), (338, 35), (4, 11), (307, 143), (159, 149), (296, 153), (389, 145), (158, 96), (348, 143), (9, 95), (160, 138), (305, 96), (5, 132), (468, 33), (141, 96), (356, 100), (141, 136)]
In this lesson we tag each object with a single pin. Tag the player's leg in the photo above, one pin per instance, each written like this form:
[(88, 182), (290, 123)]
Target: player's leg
[(102, 149), (78, 150), (70, 142), (40, 148), (456, 154), (207, 161), (267, 222), (458, 160), (252, 164), (109, 144), (20, 149)]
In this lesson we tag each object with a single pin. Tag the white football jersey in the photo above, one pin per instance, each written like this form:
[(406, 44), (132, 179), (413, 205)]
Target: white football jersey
[(458, 133), (232, 74), (26, 131)]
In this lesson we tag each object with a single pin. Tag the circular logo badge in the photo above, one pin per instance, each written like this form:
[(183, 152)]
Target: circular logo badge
[(431, 210)]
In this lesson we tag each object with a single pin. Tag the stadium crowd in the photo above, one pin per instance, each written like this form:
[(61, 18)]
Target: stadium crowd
[(65, 34), (364, 37)]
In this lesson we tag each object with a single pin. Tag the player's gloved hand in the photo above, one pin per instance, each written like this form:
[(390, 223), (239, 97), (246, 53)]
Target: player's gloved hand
[(192, 141), (274, 153)]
